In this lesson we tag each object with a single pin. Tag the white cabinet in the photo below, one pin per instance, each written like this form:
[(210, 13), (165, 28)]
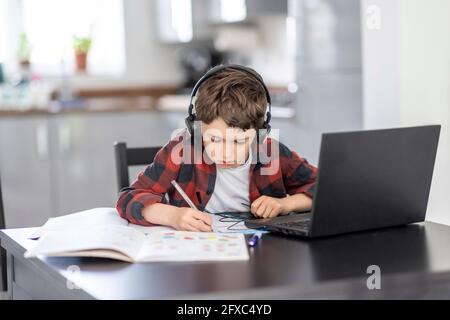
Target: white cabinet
[(25, 167), (59, 164), (84, 158)]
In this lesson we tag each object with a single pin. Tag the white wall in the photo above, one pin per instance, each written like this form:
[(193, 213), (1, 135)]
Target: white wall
[(425, 85), (381, 87), (406, 67), (272, 59)]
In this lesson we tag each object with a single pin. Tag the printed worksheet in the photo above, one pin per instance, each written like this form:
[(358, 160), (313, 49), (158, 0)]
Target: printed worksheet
[(193, 246)]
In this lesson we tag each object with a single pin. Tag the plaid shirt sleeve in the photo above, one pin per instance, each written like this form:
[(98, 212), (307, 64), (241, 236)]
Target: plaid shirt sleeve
[(298, 175), (150, 186)]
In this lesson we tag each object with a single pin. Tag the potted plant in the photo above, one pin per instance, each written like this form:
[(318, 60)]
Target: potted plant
[(81, 46), (24, 50)]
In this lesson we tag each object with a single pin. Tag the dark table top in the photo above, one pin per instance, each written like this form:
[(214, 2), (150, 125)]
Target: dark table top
[(277, 261)]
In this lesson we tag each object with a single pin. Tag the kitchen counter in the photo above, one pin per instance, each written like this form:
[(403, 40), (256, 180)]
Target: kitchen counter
[(132, 98), (88, 105), (97, 99), (178, 102), (168, 103)]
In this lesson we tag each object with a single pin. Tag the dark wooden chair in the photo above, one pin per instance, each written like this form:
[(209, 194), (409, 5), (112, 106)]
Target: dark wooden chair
[(127, 157), (3, 286)]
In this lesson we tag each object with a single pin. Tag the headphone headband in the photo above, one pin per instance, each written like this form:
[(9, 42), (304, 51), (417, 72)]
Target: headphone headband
[(217, 69), (213, 71)]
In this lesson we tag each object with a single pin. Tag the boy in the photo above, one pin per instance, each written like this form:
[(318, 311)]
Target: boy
[(231, 105)]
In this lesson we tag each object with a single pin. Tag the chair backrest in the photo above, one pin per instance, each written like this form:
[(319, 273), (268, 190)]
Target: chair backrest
[(126, 157), (3, 285)]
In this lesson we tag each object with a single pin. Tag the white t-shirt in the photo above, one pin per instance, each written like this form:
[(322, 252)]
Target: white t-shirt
[(231, 189)]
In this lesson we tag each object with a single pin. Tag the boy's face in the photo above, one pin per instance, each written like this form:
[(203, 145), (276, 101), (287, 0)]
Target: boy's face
[(227, 147)]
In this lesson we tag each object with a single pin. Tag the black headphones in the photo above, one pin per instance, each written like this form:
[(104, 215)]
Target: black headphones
[(190, 119)]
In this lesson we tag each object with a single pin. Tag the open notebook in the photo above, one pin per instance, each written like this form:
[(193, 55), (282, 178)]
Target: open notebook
[(101, 233), (128, 244)]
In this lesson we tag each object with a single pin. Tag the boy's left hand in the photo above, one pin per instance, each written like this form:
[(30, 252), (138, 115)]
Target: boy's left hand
[(267, 207)]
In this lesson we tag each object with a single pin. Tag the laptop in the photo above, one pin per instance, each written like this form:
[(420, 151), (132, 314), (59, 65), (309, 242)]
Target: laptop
[(367, 180)]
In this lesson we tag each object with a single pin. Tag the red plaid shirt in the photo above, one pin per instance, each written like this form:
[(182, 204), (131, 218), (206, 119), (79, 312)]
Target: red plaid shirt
[(293, 175)]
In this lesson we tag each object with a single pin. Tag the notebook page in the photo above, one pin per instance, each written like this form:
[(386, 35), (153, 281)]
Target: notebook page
[(119, 238), (193, 246), (81, 220)]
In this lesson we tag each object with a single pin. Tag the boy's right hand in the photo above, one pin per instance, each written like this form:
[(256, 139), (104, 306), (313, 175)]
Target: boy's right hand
[(188, 219)]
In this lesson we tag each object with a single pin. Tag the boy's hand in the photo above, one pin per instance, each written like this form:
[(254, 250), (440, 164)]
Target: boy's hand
[(188, 219), (267, 207)]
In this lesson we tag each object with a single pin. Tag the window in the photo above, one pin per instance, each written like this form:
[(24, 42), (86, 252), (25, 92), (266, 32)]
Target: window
[(174, 20), (51, 25), (9, 21), (233, 10)]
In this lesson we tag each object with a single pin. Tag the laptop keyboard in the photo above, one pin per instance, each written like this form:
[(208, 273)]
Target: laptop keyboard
[(302, 224)]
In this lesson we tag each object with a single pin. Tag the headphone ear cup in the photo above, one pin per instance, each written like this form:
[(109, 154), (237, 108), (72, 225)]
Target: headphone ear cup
[(189, 121)]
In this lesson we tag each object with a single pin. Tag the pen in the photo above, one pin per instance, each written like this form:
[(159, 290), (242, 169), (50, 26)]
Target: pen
[(253, 241), (185, 197), (183, 194)]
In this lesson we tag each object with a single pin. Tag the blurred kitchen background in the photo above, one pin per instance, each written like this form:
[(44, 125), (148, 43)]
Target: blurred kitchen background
[(78, 75)]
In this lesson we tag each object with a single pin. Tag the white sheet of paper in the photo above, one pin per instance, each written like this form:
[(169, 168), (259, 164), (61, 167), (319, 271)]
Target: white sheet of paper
[(193, 246), (112, 237), (90, 218)]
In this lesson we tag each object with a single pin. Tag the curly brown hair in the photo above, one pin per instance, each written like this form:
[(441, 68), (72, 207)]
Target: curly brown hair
[(233, 95)]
